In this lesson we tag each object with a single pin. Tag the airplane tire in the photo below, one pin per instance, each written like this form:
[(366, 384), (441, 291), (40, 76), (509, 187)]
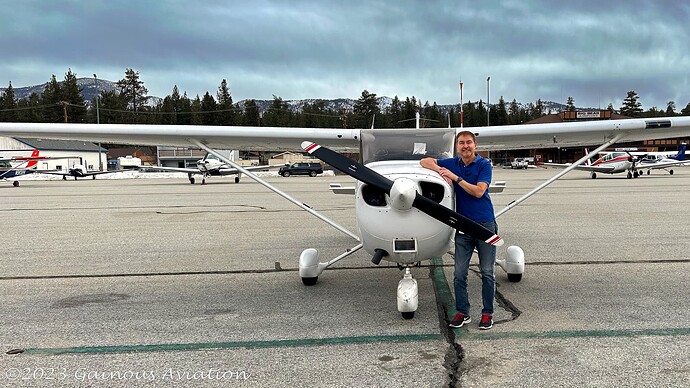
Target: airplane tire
[(64, 177), (15, 183), (191, 180), (237, 179), (310, 281), (407, 314), (514, 277), (670, 172)]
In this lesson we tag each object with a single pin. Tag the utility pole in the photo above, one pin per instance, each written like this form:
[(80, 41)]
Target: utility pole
[(64, 109), (98, 121), (488, 107), (461, 118)]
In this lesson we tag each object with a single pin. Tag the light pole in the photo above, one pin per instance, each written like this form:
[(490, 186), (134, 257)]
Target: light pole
[(98, 121), (488, 108)]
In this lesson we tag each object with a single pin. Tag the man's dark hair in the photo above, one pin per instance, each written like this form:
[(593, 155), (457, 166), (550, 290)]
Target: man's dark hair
[(466, 133)]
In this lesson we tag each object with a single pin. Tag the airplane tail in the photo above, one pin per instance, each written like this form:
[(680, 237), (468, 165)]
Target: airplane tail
[(681, 152), (32, 163)]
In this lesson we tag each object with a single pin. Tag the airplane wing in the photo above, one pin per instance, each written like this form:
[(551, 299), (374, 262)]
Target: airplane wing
[(232, 171), (524, 136), (223, 171), (659, 165), (602, 169), (173, 169)]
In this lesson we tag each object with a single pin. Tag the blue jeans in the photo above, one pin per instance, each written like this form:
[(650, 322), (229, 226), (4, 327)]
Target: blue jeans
[(464, 247)]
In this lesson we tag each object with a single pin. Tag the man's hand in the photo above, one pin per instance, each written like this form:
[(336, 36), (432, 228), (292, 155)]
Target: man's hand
[(447, 175)]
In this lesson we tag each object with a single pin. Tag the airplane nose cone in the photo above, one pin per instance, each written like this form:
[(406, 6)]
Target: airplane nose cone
[(403, 193)]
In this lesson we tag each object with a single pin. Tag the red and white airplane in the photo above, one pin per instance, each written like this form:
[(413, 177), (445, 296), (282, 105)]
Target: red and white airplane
[(405, 213), (27, 164), (623, 161)]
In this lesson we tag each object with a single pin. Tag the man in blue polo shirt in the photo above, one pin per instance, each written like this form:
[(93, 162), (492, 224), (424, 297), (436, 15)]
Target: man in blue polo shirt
[(470, 175)]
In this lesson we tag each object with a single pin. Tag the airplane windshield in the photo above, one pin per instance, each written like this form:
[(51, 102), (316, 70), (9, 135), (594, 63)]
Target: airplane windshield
[(4, 164), (405, 144)]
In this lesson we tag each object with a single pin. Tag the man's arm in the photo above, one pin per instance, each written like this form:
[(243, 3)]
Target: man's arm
[(473, 190)]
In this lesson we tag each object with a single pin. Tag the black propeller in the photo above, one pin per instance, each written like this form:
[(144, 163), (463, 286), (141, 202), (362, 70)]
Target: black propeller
[(426, 205)]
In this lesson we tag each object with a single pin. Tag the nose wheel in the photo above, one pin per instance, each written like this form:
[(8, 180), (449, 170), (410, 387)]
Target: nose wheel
[(408, 295)]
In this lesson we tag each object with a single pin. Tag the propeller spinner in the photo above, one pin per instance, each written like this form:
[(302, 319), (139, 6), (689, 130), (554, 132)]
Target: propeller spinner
[(401, 193)]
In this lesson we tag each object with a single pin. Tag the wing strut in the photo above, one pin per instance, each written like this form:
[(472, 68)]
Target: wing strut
[(560, 174), (273, 188)]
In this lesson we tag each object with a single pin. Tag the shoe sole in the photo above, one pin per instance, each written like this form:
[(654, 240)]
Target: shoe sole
[(460, 325), (486, 327)]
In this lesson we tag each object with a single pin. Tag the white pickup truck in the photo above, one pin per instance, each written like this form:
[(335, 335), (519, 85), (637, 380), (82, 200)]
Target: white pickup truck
[(519, 163)]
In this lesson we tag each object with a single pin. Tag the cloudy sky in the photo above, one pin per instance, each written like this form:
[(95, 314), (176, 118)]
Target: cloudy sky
[(594, 51)]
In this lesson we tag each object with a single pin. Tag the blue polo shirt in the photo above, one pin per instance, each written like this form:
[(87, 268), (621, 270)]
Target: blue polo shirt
[(480, 170)]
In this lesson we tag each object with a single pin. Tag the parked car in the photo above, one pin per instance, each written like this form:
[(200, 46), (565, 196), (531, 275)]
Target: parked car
[(519, 163), (301, 168)]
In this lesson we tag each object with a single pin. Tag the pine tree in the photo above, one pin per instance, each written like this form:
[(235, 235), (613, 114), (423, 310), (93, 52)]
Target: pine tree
[(514, 113), (227, 112), (501, 115), (112, 107), (570, 105), (631, 106), (365, 109), (133, 89), (52, 96), (671, 108), (686, 111), (208, 107), (251, 114), (8, 105), (71, 94)]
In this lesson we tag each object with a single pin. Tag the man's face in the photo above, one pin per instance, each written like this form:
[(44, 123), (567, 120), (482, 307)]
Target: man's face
[(465, 146)]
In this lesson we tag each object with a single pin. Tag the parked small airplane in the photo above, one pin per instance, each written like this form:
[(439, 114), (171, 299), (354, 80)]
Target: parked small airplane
[(77, 171), (662, 160), (207, 167), (395, 195), (623, 161), (8, 171), (28, 164)]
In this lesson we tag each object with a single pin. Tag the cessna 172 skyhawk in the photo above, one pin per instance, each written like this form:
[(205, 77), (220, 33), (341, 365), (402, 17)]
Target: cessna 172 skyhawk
[(392, 189), (207, 167)]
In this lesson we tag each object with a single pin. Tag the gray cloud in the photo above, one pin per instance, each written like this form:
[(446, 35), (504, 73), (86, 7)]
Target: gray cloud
[(592, 51)]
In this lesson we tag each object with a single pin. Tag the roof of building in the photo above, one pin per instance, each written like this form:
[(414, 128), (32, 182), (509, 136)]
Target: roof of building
[(577, 116), (60, 145)]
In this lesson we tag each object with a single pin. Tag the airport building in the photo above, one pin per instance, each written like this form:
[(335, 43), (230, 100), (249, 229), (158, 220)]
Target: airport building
[(78, 152)]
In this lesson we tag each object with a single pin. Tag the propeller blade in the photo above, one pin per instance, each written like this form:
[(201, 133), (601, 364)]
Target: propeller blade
[(456, 220), (425, 205), (349, 166)]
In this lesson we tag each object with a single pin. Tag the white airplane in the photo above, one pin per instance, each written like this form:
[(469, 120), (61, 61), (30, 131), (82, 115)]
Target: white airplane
[(78, 170), (662, 160), (207, 167), (398, 203), (623, 161)]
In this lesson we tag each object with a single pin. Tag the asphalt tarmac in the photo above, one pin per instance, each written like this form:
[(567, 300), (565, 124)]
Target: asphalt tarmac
[(159, 282)]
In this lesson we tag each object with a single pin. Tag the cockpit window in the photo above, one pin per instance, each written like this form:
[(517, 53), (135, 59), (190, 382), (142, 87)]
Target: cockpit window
[(406, 144)]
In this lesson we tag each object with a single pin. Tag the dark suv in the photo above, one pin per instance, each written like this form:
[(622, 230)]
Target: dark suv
[(301, 168)]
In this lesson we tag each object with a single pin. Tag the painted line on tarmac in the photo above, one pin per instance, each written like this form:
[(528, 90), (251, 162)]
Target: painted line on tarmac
[(446, 298), (465, 334), (442, 288), (227, 345)]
